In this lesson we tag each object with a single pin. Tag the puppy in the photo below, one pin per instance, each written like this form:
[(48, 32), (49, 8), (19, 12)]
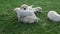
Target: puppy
[(24, 13), (53, 16)]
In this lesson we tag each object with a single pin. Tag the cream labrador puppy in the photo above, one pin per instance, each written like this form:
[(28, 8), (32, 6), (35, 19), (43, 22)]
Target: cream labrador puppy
[(23, 15)]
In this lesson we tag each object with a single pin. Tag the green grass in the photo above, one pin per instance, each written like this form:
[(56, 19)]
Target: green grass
[(10, 25)]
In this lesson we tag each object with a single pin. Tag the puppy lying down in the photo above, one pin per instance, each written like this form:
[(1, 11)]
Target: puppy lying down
[(26, 16), (53, 16)]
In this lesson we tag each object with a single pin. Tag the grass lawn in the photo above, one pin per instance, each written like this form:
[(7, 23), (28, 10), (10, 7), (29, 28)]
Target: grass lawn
[(10, 25)]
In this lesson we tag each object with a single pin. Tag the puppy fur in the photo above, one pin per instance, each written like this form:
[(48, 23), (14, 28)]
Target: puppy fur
[(30, 19)]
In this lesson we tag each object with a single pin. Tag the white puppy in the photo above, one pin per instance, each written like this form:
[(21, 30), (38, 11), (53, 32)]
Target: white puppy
[(53, 16), (24, 13)]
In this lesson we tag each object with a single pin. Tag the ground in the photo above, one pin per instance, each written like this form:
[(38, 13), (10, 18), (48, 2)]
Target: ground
[(10, 25)]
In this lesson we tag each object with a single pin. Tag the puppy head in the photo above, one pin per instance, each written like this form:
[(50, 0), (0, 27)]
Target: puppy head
[(24, 7)]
